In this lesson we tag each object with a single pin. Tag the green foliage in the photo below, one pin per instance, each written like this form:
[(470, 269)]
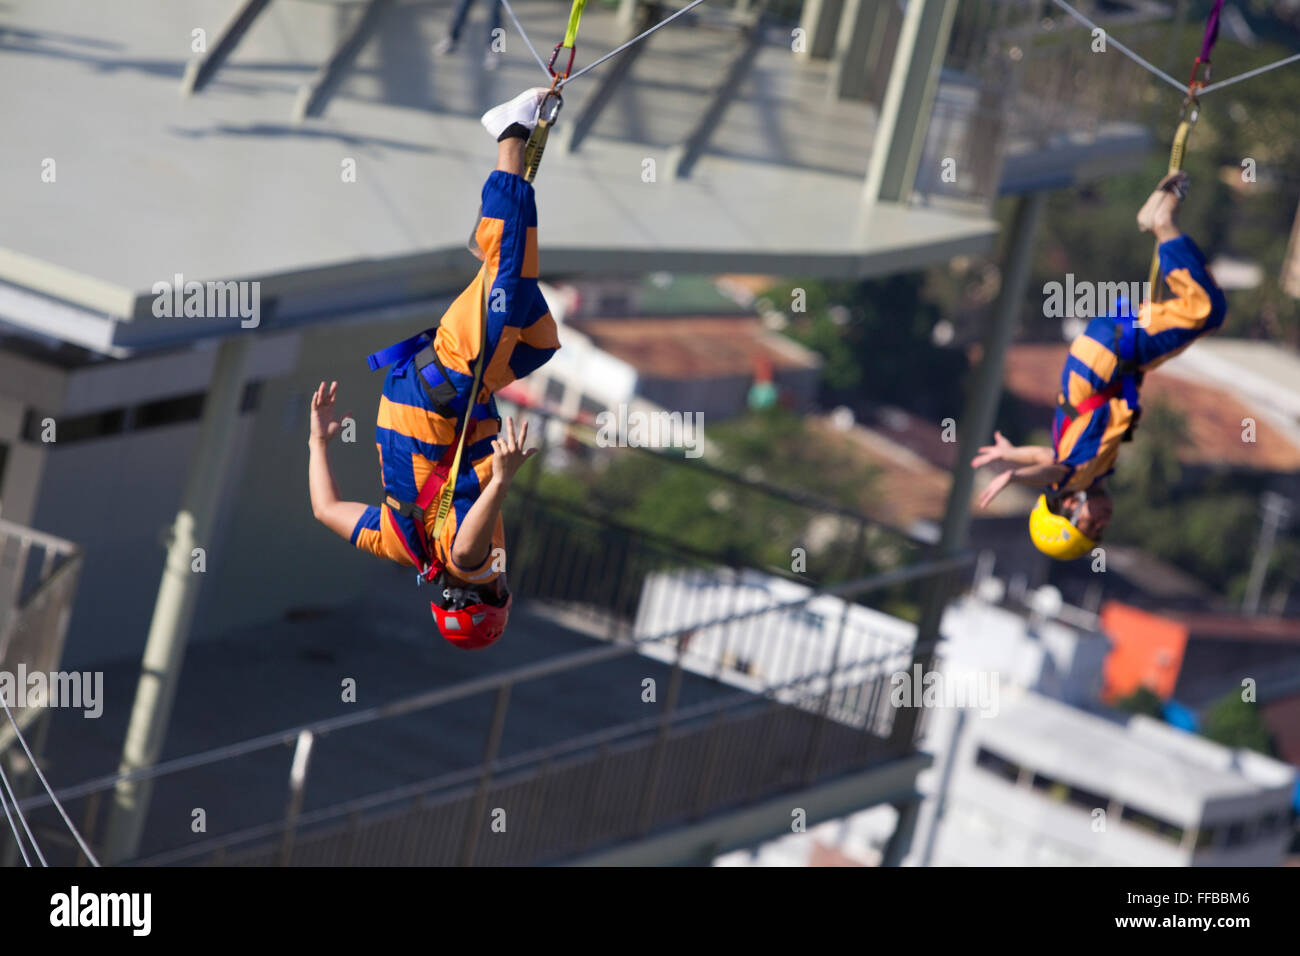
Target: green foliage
[(1143, 701), (875, 338), (1234, 722), (726, 520)]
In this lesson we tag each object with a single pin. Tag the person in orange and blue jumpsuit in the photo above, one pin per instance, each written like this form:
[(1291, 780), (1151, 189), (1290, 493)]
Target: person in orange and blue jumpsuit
[(426, 400), (1097, 407)]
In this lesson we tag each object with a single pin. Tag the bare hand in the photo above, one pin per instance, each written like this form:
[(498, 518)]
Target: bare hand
[(508, 452), (994, 488), (988, 454), (324, 427)]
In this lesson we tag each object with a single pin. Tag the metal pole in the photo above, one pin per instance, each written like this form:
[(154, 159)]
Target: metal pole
[(178, 595), (475, 822), (1276, 511), (977, 424), (297, 787), (645, 813)]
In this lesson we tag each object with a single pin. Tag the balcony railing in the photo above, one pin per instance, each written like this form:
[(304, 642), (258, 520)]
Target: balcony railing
[(38, 580), (712, 742)]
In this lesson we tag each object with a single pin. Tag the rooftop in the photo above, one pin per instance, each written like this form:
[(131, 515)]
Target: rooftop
[(1143, 762), (689, 348), (223, 185)]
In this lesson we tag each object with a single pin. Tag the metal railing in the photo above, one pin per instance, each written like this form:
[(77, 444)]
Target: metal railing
[(38, 579), (720, 736), (1022, 77)]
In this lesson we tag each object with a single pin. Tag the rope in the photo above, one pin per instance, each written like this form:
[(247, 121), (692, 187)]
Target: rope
[(4, 804), (1121, 47), (76, 835), (13, 798), (631, 42), (527, 42), (1245, 76)]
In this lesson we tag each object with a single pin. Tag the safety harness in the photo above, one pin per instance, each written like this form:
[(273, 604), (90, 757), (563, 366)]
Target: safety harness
[(443, 398), (1128, 377)]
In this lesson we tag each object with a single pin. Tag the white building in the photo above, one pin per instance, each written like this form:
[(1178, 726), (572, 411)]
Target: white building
[(1026, 772), (1046, 784)]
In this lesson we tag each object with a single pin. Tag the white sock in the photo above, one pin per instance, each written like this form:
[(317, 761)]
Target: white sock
[(522, 110)]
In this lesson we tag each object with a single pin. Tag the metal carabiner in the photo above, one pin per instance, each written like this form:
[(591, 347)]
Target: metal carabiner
[(548, 110), (550, 66)]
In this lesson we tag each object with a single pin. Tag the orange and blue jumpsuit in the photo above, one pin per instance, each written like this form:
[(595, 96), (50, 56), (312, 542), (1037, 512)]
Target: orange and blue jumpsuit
[(1098, 404), (426, 390)]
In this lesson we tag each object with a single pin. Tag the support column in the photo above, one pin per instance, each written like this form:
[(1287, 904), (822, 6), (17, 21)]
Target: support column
[(976, 428), (178, 594), (860, 41), (820, 22), (909, 97)]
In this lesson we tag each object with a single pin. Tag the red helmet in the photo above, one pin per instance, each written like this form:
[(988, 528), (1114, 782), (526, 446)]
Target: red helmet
[(472, 627)]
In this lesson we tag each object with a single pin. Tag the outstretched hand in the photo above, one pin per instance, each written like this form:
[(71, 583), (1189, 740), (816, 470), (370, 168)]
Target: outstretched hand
[(988, 454), (508, 452), (324, 426)]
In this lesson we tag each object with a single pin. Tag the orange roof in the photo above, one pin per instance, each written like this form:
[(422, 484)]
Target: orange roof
[(1033, 374), (1146, 651), (687, 348)]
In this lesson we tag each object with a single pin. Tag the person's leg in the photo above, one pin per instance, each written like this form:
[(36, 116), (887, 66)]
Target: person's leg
[(457, 24), (510, 155)]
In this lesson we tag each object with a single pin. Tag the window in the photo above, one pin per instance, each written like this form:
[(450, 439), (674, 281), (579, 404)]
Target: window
[(1237, 834), (1154, 825), (155, 414), (1086, 799), (74, 429), (996, 765), (1206, 836), (589, 407), (554, 392), (169, 411), (1052, 788)]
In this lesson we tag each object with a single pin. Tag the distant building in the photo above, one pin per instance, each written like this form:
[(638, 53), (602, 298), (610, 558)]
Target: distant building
[(1028, 769), (706, 364), (1046, 784)]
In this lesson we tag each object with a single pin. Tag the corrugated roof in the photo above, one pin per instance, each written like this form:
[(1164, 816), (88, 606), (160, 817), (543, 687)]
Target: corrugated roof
[(694, 347)]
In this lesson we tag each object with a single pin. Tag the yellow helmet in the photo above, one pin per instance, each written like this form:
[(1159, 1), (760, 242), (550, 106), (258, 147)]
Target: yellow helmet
[(1055, 535)]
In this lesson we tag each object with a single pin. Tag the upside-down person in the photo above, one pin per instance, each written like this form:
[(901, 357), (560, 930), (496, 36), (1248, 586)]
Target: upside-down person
[(427, 400), (1097, 407)]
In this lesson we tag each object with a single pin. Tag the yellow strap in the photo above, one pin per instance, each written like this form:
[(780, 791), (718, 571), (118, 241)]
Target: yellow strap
[(447, 494), (1175, 164), (575, 14)]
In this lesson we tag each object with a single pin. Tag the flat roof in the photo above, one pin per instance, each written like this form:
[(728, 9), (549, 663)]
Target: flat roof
[(222, 185), (1142, 762)]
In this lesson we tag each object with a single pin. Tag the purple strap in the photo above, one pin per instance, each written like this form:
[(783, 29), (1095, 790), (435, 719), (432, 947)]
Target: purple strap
[(1211, 31)]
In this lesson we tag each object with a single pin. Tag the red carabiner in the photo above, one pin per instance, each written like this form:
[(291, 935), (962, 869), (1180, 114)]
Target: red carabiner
[(573, 50)]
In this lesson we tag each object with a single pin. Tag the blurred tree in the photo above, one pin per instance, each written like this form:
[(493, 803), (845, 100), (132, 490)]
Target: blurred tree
[(1143, 701), (876, 339), (1234, 722)]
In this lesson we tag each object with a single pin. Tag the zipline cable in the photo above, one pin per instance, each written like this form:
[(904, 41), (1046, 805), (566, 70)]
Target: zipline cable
[(4, 805), (1246, 76), (76, 835), (1155, 70), (527, 42), (13, 799), (636, 39)]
